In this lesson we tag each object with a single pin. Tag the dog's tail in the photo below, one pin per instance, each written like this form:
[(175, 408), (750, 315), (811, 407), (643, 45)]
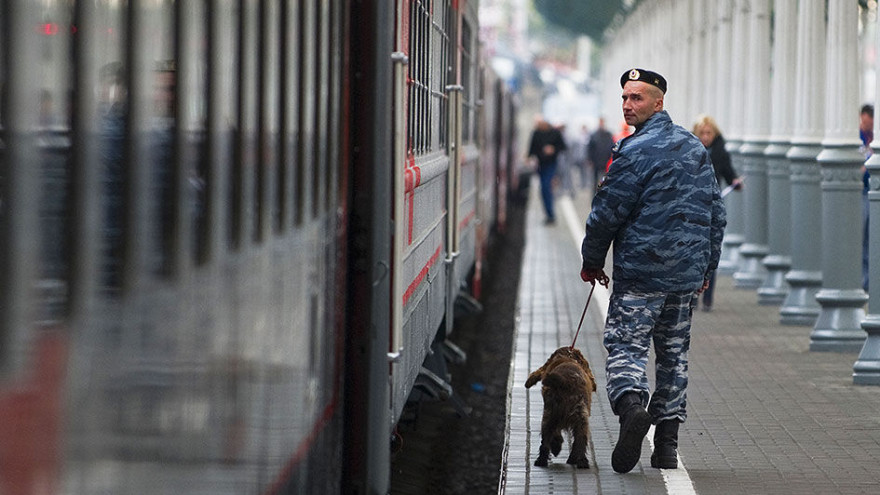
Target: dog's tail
[(564, 378)]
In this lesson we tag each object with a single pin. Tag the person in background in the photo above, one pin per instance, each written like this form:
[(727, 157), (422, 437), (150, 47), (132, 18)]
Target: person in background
[(661, 207), (625, 131), (578, 142), (565, 162), (707, 130), (866, 133), (545, 145), (599, 150)]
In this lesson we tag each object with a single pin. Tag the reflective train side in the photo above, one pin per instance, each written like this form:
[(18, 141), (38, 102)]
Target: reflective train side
[(231, 234)]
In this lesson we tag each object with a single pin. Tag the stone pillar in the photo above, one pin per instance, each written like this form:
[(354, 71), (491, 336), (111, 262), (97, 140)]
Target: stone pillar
[(697, 57), (732, 40), (756, 137), (866, 370), (805, 277), (838, 327), (708, 104), (778, 260)]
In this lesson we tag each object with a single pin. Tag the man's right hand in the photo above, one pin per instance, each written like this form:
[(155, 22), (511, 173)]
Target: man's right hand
[(593, 275)]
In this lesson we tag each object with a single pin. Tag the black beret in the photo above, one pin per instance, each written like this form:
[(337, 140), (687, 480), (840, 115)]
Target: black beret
[(644, 76)]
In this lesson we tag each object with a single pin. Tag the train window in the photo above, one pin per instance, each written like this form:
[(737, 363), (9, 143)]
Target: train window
[(289, 117), (334, 92), (269, 100), (139, 142), (428, 74), (322, 97), (305, 141), (427, 38), (442, 69), (467, 62), (243, 185)]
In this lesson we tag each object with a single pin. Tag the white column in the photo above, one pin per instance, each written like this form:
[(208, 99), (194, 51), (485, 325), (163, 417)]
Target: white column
[(736, 33), (805, 277), (756, 135), (708, 54), (838, 327), (778, 261), (699, 63), (738, 72), (723, 65), (866, 370)]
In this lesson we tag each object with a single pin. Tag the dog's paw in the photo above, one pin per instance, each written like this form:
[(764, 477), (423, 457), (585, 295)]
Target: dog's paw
[(582, 463)]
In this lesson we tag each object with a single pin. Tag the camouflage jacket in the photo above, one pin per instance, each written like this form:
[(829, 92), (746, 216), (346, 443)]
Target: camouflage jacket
[(661, 206)]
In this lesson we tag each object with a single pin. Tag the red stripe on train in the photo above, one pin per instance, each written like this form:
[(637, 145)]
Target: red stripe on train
[(421, 276), (466, 220), (30, 430)]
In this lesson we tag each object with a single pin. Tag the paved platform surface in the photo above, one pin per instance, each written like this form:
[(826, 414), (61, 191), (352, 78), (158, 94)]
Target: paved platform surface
[(765, 415)]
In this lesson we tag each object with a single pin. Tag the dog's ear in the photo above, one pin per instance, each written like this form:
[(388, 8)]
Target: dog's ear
[(590, 375)]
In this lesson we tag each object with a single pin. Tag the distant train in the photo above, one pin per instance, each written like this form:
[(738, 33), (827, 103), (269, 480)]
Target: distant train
[(231, 233)]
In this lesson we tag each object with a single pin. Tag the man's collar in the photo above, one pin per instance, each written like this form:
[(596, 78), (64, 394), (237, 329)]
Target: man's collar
[(661, 116)]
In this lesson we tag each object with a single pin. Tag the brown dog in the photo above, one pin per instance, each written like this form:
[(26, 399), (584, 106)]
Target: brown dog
[(567, 388)]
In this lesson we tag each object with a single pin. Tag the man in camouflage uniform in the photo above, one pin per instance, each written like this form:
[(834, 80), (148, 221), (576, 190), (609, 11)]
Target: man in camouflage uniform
[(660, 205)]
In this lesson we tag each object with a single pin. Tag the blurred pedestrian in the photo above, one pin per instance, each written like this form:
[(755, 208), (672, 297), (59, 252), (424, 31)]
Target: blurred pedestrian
[(545, 145), (578, 152), (660, 205), (710, 135), (599, 150), (625, 131), (866, 133), (565, 164)]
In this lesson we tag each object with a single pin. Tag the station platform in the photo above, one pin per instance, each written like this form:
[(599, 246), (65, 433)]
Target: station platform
[(765, 415)]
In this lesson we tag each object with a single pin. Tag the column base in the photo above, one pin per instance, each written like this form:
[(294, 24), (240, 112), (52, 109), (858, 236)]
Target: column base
[(800, 306), (752, 272), (775, 289), (730, 255), (838, 328), (866, 370)]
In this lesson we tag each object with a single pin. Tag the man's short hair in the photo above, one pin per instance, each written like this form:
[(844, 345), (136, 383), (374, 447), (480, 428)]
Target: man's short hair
[(868, 109)]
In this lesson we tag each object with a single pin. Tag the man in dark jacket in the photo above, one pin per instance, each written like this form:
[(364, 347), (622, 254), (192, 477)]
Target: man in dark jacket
[(599, 150), (660, 205), (545, 145)]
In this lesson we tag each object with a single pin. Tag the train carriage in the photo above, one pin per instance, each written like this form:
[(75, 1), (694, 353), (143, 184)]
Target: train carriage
[(438, 160), (232, 235), (183, 331)]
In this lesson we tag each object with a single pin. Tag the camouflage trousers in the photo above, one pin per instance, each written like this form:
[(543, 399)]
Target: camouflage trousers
[(634, 320)]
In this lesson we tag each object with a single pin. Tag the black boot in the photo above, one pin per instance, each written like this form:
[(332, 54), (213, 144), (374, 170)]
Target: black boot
[(634, 424), (665, 454)]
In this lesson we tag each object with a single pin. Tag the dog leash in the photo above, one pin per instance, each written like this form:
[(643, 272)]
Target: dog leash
[(592, 288)]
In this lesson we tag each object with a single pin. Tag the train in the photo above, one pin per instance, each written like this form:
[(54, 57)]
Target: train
[(235, 235)]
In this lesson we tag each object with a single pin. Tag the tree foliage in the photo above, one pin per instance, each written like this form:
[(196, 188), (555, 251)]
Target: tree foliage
[(587, 17)]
